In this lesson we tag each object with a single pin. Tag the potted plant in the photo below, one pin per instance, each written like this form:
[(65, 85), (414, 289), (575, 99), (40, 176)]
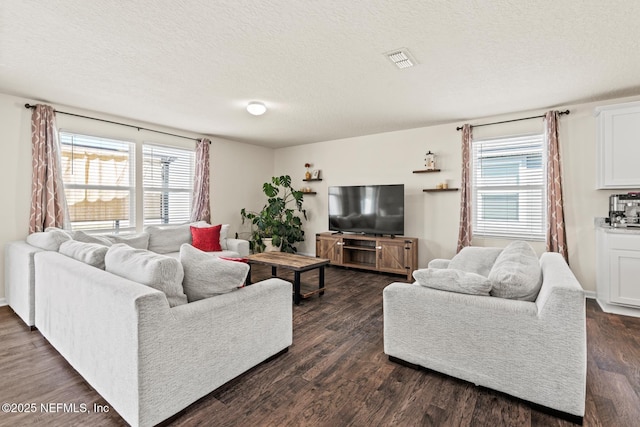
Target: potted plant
[(278, 219)]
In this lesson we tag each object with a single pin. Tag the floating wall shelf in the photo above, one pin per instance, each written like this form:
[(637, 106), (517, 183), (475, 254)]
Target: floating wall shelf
[(313, 179), (427, 170), (433, 190)]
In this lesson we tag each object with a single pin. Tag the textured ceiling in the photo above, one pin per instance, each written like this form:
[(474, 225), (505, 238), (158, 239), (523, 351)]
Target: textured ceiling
[(318, 65)]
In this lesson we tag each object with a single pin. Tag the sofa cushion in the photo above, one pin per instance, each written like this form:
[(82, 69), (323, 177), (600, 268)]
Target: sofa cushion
[(140, 265), (89, 253), (516, 274), (138, 240), (224, 234), (206, 275), (206, 239), (48, 240), (165, 239), (81, 236), (473, 259), (447, 279)]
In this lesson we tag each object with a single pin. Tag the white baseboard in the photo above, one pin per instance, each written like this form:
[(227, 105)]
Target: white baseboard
[(3, 301), (590, 294), (618, 309)]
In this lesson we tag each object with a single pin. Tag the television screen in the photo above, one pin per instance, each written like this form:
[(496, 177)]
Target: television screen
[(367, 209)]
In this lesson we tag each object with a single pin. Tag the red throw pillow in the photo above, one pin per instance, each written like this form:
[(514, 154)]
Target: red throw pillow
[(207, 238)]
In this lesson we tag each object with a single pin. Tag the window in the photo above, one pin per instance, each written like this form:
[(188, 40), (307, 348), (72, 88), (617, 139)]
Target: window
[(509, 187), (98, 176), (167, 184)]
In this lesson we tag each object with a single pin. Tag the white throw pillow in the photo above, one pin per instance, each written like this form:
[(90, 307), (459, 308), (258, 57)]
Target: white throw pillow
[(206, 275), (167, 239), (474, 259), (516, 273), (447, 279), (224, 234), (140, 265), (138, 241), (81, 236), (89, 253), (48, 240)]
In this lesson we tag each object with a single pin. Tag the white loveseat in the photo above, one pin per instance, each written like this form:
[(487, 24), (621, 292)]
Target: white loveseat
[(147, 358), (534, 350)]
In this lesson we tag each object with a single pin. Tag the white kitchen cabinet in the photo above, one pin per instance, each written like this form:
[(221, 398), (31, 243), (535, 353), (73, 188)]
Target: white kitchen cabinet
[(618, 146), (618, 270)]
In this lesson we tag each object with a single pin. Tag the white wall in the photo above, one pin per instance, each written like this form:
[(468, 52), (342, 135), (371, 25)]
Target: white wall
[(390, 158), (237, 169)]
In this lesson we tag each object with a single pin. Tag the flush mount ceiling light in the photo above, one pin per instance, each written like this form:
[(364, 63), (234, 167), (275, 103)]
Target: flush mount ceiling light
[(401, 58), (256, 108)]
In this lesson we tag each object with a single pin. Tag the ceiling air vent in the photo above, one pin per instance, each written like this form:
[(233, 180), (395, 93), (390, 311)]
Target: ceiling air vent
[(401, 58)]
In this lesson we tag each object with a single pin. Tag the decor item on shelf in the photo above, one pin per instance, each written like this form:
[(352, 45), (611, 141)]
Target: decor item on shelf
[(315, 174), (307, 174), (277, 219), (430, 161)]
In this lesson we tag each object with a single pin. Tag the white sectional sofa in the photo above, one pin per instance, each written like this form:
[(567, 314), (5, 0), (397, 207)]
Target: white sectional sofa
[(19, 258), (534, 350), (148, 358)]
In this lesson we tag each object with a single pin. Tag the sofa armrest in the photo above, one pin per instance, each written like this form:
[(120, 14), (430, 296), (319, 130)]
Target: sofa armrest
[(238, 245), (19, 279), (439, 263)]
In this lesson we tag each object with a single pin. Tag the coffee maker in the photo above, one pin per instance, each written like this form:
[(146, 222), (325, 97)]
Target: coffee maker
[(624, 210)]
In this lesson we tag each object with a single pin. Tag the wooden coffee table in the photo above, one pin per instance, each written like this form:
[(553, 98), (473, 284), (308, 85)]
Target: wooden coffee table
[(297, 263)]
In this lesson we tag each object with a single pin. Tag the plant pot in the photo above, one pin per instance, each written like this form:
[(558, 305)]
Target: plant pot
[(268, 246)]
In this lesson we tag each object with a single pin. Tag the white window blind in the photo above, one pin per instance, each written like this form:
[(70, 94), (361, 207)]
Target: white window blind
[(509, 187), (98, 176), (167, 184)]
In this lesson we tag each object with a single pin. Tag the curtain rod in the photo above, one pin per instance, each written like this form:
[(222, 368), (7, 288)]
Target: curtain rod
[(514, 120), (117, 123)]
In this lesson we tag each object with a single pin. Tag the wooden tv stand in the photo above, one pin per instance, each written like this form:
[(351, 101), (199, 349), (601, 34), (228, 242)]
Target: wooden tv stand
[(386, 254)]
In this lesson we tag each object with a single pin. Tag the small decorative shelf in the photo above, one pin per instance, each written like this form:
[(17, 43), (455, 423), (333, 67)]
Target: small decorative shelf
[(313, 179), (433, 190), (427, 170), (309, 192)]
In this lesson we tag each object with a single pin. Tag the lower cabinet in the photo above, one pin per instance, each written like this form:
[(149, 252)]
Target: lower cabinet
[(618, 270), (391, 255)]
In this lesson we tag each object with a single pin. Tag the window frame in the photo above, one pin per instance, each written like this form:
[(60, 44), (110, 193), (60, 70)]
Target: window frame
[(505, 228), (131, 188), (188, 190)]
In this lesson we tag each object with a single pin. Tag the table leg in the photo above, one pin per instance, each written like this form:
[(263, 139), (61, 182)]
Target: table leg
[(296, 287), (274, 271), (321, 280)]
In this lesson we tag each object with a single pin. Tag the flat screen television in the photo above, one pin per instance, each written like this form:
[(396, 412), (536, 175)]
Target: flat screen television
[(367, 209)]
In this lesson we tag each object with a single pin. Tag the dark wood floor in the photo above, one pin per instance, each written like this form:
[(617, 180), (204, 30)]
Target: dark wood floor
[(335, 374)]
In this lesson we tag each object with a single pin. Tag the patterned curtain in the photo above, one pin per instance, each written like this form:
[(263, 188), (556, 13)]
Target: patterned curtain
[(465, 232), (556, 234), (48, 204), (200, 206)]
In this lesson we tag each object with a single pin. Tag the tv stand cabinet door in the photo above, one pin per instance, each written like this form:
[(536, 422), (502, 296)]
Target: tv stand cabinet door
[(329, 247), (395, 256)]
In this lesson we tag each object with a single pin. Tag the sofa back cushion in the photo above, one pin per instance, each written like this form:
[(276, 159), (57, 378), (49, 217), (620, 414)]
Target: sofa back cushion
[(473, 259), (163, 240), (48, 240), (516, 274), (138, 240), (89, 253), (157, 271), (206, 275), (81, 236)]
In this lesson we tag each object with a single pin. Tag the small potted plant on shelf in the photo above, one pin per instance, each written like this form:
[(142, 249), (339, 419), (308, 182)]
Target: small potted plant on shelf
[(278, 220)]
